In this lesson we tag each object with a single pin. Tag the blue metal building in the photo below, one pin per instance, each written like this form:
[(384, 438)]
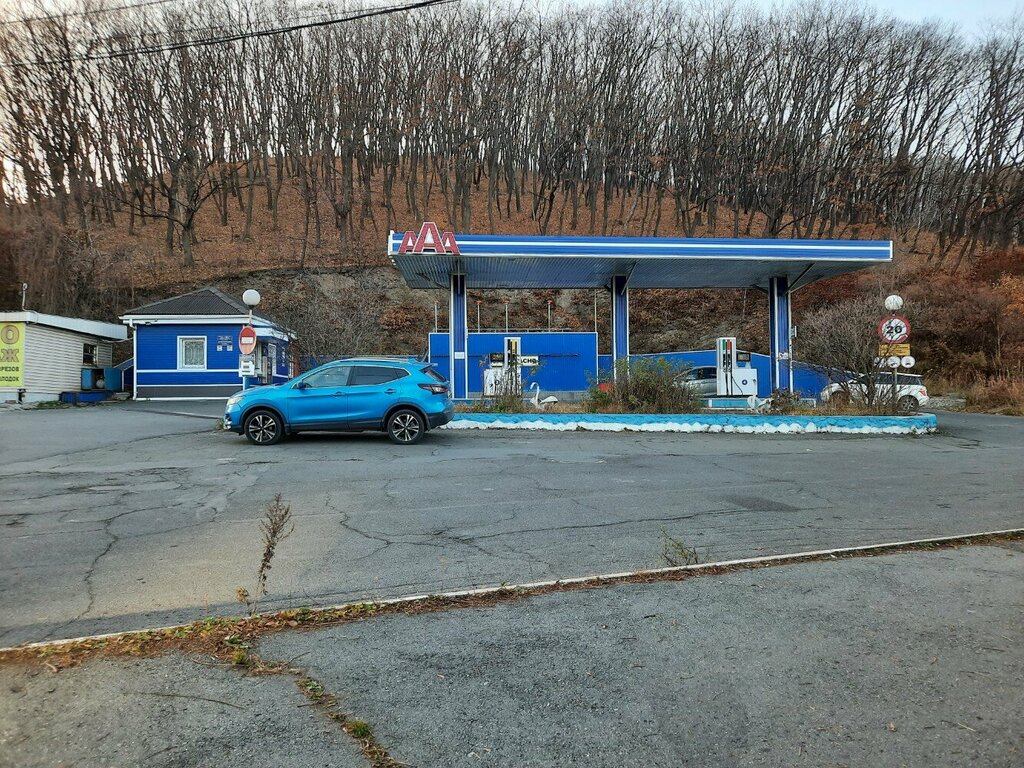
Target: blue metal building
[(457, 263), (186, 347)]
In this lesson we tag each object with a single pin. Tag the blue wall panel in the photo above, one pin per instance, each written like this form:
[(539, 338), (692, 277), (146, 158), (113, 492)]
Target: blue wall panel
[(561, 353), (157, 355), (157, 345), (568, 361)]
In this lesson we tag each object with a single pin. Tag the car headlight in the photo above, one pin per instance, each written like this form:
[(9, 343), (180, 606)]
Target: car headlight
[(233, 400)]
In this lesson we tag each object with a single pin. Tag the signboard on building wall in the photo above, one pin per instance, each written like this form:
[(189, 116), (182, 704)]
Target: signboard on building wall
[(12, 354)]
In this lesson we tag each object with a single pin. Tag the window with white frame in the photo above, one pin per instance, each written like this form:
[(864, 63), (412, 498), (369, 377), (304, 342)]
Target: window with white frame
[(191, 352)]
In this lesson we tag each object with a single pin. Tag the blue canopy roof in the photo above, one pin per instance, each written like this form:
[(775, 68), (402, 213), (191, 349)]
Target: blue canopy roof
[(499, 261)]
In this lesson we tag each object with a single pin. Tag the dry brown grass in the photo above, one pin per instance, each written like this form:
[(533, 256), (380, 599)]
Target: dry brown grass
[(997, 394)]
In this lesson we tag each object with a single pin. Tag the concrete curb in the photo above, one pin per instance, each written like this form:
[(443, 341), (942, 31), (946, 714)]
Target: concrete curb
[(917, 424), (597, 579)]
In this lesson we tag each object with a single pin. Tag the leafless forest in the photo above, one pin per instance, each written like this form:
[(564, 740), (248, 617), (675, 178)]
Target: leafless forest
[(821, 119)]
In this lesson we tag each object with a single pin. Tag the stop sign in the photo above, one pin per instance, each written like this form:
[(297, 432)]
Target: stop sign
[(247, 340)]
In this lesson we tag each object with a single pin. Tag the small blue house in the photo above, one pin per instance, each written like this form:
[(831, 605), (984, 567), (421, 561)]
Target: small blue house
[(186, 347)]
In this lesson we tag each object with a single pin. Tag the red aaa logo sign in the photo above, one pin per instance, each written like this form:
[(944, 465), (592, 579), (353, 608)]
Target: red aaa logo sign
[(429, 238)]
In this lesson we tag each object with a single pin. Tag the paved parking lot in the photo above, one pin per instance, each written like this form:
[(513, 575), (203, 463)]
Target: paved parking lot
[(127, 516), (911, 659)]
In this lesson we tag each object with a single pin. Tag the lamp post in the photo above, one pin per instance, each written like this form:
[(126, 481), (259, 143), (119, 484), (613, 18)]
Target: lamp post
[(506, 317), (478, 315), (251, 299), (549, 314)]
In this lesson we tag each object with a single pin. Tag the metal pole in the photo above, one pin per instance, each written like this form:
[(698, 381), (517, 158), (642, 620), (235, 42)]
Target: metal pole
[(478, 316), (894, 400), (595, 311), (549, 314), (435, 318), (506, 317)]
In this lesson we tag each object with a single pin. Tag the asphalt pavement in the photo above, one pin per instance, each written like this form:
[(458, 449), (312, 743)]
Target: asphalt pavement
[(909, 659), (130, 516)]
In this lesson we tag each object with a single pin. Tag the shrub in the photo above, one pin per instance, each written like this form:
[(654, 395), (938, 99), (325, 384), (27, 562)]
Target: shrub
[(645, 386), (785, 402), (999, 394)]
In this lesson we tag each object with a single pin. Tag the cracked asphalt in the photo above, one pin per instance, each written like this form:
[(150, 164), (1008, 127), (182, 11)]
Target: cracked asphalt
[(910, 659), (124, 516)]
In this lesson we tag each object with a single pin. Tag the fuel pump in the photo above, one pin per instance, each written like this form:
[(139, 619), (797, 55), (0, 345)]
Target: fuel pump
[(513, 371), (504, 373), (736, 377)]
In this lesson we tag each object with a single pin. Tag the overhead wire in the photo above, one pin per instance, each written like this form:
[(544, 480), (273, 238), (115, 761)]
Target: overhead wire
[(88, 12), (231, 38)]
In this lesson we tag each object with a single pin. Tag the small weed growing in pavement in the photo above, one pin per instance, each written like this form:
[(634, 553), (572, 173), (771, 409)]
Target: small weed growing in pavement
[(359, 729), (676, 553), (313, 688), (276, 526), (49, 405), (240, 657)]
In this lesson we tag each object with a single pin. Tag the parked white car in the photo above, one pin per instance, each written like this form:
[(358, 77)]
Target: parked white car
[(911, 392)]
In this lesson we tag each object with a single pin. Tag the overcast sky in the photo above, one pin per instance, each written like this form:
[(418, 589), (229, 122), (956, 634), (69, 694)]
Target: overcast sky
[(971, 15)]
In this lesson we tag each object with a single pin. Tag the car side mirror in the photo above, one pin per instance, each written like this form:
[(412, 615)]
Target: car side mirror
[(302, 385)]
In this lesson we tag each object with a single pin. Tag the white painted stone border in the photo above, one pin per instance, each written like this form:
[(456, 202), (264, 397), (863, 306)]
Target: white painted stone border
[(918, 424)]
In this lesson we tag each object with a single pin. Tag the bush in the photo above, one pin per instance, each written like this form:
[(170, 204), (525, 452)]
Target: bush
[(645, 386), (785, 402), (509, 401), (998, 394)]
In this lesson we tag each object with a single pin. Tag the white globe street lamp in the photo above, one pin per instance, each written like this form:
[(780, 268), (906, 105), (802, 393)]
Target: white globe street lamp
[(894, 303), (251, 299)]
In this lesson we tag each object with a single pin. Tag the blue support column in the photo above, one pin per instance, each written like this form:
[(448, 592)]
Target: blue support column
[(458, 338), (620, 319), (779, 333)]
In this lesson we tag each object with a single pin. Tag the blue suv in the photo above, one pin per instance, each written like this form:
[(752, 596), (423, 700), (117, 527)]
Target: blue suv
[(400, 398)]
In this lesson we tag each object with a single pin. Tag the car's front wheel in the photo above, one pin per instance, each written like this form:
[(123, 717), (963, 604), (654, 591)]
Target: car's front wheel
[(263, 428), (406, 427), (907, 404)]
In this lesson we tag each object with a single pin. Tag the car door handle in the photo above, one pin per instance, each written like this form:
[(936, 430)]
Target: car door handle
[(390, 391)]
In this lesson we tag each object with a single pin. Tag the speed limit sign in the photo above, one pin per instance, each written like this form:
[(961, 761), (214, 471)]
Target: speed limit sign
[(894, 329)]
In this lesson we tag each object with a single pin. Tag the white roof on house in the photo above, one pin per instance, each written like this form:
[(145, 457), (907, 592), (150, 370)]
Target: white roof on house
[(74, 324)]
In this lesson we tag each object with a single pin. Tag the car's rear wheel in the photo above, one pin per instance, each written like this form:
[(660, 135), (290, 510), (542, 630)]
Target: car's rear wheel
[(263, 428), (907, 404), (405, 427)]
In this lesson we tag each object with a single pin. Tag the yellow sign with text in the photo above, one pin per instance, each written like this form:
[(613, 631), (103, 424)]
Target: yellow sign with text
[(12, 354), (888, 350)]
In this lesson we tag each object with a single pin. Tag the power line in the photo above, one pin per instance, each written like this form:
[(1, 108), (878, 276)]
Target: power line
[(90, 12), (205, 42)]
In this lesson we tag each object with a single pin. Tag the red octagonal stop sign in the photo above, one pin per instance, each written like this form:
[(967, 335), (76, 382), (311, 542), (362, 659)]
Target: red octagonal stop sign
[(247, 340)]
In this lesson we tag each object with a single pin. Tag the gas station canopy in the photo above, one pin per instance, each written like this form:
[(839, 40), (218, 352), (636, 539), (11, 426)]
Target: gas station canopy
[(508, 262), (433, 258)]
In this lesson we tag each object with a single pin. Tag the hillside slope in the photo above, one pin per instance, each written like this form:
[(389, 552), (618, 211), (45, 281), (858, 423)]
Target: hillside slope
[(343, 296)]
